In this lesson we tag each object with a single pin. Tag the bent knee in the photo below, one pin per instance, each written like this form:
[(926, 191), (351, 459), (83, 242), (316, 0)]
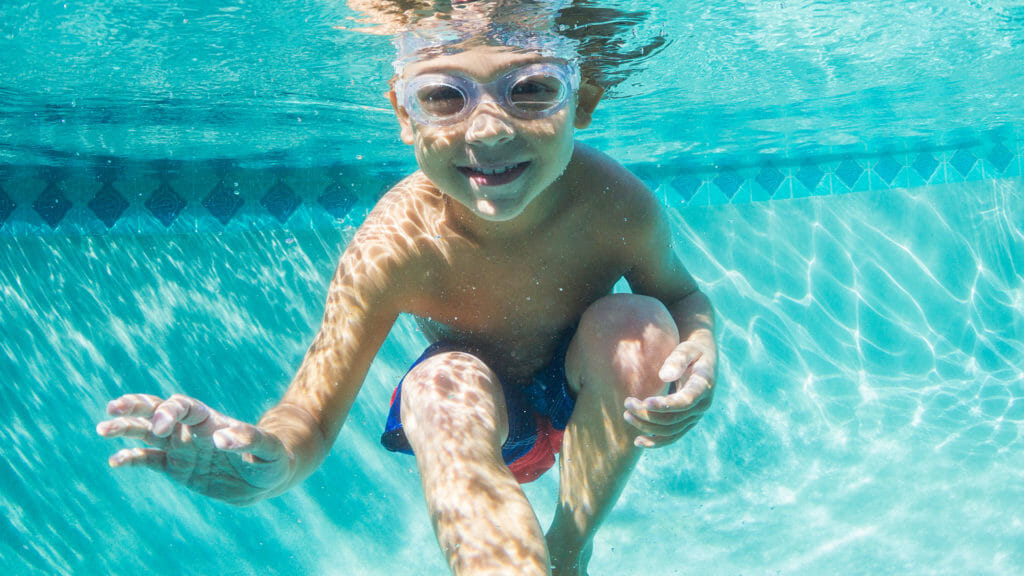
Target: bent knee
[(452, 394), (628, 336)]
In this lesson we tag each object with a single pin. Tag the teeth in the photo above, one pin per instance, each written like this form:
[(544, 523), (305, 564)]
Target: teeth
[(491, 171)]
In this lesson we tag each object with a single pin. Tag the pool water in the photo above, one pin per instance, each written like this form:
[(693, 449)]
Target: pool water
[(860, 233)]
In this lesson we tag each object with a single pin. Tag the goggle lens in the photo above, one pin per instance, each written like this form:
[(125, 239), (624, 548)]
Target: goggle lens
[(534, 91), (537, 93), (440, 100)]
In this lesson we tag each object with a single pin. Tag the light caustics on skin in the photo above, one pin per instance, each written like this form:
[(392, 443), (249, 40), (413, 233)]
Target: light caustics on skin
[(481, 517), (621, 344), (197, 446)]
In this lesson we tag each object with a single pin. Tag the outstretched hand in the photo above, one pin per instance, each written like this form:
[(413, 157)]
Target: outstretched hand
[(690, 371), (198, 447)]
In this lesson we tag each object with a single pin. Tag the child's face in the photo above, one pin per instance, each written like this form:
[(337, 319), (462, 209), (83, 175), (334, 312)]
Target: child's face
[(497, 157)]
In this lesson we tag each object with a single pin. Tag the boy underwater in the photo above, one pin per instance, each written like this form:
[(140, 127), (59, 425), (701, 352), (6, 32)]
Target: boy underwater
[(505, 246)]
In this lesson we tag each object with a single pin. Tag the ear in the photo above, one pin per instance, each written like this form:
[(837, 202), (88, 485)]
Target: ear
[(403, 118), (587, 98)]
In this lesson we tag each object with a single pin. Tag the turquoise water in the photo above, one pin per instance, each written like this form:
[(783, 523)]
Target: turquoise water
[(860, 229)]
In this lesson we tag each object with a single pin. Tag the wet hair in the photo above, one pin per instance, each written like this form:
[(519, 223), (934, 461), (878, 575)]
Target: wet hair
[(603, 40), (522, 24), (609, 48)]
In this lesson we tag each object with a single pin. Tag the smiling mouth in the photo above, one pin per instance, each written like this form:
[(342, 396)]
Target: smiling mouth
[(493, 176)]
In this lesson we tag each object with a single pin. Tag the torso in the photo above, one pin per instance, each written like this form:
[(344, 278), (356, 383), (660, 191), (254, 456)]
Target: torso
[(514, 301)]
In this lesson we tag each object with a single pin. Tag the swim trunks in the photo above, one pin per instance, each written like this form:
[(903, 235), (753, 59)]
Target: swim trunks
[(537, 417)]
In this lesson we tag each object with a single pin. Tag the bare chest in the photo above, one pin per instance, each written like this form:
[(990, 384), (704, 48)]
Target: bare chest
[(516, 301)]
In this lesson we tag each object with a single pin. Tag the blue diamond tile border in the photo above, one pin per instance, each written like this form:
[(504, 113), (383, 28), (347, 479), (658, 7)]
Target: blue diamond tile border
[(7, 206), (72, 199), (165, 204), (109, 170), (729, 183), (223, 203), (337, 200), (963, 161), (108, 205), (1000, 157), (925, 165), (281, 201), (52, 205), (770, 178), (810, 175), (887, 169), (686, 185), (848, 172)]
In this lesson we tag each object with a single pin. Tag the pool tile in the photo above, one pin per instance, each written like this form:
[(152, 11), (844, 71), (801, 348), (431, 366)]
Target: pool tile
[(702, 196), (188, 196), (108, 205), (887, 168), (963, 161), (729, 183), (7, 206), (925, 165), (715, 195), (849, 172), (811, 177), (52, 205), (337, 200), (770, 179), (223, 202), (686, 185), (1000, 157), (108, 170), (281, 201), (164, 204)]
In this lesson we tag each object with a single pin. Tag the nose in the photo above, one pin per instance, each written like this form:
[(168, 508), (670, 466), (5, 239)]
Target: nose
[(489, 126)]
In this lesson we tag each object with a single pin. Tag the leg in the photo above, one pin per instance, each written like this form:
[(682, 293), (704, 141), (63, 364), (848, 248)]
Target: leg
[(454, 414), (617, 351)]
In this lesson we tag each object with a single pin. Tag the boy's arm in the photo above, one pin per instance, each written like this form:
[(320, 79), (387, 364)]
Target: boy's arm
[(240, 463), (359, 312), (690, 368)]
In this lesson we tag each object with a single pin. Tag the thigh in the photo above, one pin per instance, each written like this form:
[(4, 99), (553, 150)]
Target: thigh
[(453, 395)]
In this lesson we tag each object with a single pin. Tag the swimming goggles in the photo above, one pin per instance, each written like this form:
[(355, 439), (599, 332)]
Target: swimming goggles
[(529, 92)]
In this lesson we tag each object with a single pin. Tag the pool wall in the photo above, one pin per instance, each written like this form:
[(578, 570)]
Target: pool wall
[(869, 415), (112, 195)]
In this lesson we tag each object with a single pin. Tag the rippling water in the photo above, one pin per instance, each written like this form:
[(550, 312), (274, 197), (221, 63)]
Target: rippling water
[(291, 81), (869, 418), (870, 411)]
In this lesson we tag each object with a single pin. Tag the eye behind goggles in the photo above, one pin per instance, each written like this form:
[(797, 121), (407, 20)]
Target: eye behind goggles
[(530, 92)]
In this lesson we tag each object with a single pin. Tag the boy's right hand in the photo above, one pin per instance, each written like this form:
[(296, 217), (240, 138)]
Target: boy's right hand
[(198, 447)]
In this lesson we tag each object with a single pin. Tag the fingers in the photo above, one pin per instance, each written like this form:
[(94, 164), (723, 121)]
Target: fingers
[(134, 405), (249, 439), (139, 457), (698, 384), (693, 398), (672, 430), (678, 361), (662, 420), (153, 420), (165, 414), (661, 441), (130, 427), (183, 410)]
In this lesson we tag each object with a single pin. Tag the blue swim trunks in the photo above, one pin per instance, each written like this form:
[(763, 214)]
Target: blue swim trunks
[(537, 417)]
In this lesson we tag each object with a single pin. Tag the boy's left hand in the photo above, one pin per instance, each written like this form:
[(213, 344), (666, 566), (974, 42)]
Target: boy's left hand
[(662, 420)]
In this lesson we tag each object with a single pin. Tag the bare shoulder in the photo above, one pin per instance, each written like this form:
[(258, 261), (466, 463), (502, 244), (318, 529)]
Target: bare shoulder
[(390, 248), (614, 193), (410, 210), (635, 226)]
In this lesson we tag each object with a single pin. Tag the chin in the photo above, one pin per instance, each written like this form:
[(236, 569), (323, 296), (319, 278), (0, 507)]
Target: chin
[(490, 212)]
